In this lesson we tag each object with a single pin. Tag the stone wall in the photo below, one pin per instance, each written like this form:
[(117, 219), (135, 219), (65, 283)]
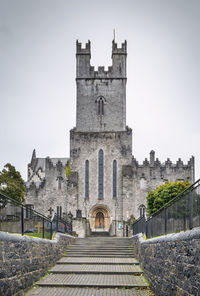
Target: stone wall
[(51, 191), (24, 260), (171, 263), (85, 146)]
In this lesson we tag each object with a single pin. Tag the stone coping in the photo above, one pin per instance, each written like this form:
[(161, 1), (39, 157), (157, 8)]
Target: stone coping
[(5, 236), (183, 235)]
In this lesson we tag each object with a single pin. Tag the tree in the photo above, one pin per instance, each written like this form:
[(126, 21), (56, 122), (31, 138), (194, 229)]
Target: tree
[(157, 198), (11, 183)]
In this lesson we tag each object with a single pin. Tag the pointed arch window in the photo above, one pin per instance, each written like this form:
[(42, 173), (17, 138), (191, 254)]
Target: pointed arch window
[(142, 210), (87, 179), (114, 179), (100, 106), (100, 174)]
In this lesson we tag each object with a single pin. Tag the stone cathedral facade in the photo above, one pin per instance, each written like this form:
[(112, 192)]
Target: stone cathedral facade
[(106, 184)]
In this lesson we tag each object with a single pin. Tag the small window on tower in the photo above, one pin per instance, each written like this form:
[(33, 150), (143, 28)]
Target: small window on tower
[(100, 106), (142, 210)]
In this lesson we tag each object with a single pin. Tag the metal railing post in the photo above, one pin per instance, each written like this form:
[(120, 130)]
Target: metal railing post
[(42, 227), (165, 213), (51, 234), (22, 220), (57, 223), (191, 209), (146, 229)]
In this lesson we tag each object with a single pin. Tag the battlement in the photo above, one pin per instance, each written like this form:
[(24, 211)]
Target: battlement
[(82, 50), (119, 50), (167, 171), (84, 70), (55, 163), (154, 163)]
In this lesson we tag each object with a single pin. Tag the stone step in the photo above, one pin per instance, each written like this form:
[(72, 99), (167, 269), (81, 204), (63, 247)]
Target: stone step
[(96, 269), (97, 241), (112, 247), (44, 291), (108, 238), (93, 280), (98, 252), (99, 255), (99, 234), (100, 246), (97, 260)]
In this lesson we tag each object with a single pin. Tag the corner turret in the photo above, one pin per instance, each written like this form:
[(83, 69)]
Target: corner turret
[(119, 55), (83, 56)]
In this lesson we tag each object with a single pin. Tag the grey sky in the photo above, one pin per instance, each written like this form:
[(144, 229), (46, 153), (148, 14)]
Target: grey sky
[(37, 73)]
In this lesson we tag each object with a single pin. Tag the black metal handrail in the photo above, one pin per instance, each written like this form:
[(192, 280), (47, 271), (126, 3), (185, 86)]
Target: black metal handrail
[(189, 188), (50, 225), (180, 213), (14, 201)]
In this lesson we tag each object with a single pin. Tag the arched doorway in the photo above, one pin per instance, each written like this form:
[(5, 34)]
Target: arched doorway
[(99, 220)]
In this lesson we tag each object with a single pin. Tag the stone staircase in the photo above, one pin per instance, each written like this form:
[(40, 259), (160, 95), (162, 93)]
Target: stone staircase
[(100, 266)]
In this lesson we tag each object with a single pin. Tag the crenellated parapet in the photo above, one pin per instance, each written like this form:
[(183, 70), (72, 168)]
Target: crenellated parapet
[(168, 171), (84, 70), (119, 50), (48, 163), (55, 163), (135, 163), (83, 50)]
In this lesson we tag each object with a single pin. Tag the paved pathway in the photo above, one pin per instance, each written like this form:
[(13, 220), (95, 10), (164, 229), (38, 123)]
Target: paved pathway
[(95, 267)]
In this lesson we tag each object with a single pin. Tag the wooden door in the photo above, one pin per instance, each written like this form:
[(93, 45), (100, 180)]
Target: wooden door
[(99, 220)]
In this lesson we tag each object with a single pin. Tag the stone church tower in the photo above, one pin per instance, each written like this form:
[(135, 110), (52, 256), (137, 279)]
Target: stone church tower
[(106, 184)]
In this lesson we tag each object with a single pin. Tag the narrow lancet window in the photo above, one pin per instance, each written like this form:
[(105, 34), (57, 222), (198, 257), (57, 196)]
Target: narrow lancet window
[(114, 179), (87, 179), (142, 210), (100, 106), (100, 174)]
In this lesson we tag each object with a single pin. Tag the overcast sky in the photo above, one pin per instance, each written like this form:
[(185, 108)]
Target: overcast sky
[(37, 74)]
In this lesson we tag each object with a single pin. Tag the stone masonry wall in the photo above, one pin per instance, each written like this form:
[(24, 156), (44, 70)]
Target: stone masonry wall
[(48, 194), (171, 263), (85, 146), (24, 260)]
